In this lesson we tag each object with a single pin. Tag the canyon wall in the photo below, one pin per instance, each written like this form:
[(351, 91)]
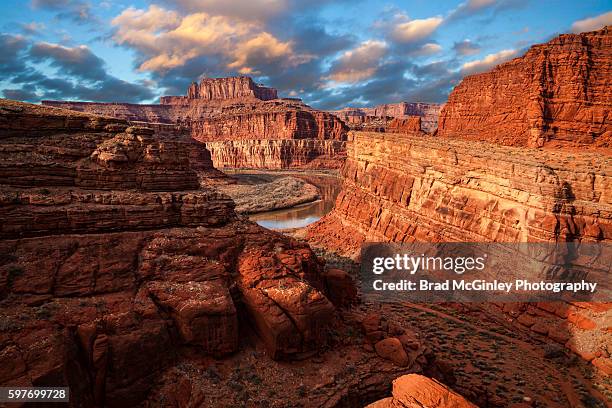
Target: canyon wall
[(401, 188), (405, 188), (113, 257), (557, 94), (118, 110), (278, 154), (277, 119), (377, 118)]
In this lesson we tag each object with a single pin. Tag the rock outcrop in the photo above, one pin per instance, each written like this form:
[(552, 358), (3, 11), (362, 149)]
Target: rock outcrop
[(278, 154), (276, 119), (404, 188), (557, 94), (379, 117), (113, 257), (417, 391)]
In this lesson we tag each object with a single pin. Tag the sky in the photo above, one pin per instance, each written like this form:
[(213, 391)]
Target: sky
[(330, 53)]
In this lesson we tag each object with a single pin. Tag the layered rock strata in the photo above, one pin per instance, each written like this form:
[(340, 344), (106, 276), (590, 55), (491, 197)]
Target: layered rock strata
[(278, 154), (377, 118), (112, 257), (403, 188), (558, 93)]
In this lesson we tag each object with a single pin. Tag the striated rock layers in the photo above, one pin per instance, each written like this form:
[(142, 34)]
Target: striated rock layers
[(280, 132), (403, 188), (278, 154), (112, 257), (558, 93), (380, 117)]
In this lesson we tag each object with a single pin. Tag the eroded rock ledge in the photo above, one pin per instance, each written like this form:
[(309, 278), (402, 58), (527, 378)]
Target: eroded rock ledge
[(278, 154), (231, 108), (402, 188)]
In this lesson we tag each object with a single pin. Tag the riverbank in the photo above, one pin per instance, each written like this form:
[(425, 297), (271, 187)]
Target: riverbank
[(259, 193)]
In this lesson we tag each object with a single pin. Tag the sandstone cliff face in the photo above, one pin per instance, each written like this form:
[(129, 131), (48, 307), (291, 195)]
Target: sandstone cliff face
[(278, 154), (558, 93), (410, 124), (125, 111), (278, 119), (112, 257), (378, 116), (403, 188)]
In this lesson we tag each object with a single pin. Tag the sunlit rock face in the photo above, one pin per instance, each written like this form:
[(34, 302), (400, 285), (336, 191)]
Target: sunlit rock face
[(246, 124), (405, 188), (210, 89), (557, 94)]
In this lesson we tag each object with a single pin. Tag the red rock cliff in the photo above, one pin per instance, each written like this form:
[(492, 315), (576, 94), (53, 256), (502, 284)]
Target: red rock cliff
[(379, 117), (278, 154), (557, 93), (112, 258)]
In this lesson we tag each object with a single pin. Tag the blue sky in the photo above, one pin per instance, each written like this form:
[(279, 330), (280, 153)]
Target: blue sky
[(330, 53)]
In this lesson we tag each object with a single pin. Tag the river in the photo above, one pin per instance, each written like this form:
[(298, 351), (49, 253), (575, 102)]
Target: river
[(305, 214)]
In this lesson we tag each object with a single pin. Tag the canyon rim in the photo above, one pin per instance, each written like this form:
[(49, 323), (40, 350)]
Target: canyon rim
[(192, 229)]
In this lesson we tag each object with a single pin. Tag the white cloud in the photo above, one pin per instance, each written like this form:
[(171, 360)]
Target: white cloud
[(167, 40), (415, 30), (478, 4), (428, 49), (488, 62), (359, 63), (593, 23)]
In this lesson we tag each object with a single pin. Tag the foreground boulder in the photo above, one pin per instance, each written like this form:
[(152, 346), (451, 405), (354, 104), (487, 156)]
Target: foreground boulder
[(417, 391), (113, 257)]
